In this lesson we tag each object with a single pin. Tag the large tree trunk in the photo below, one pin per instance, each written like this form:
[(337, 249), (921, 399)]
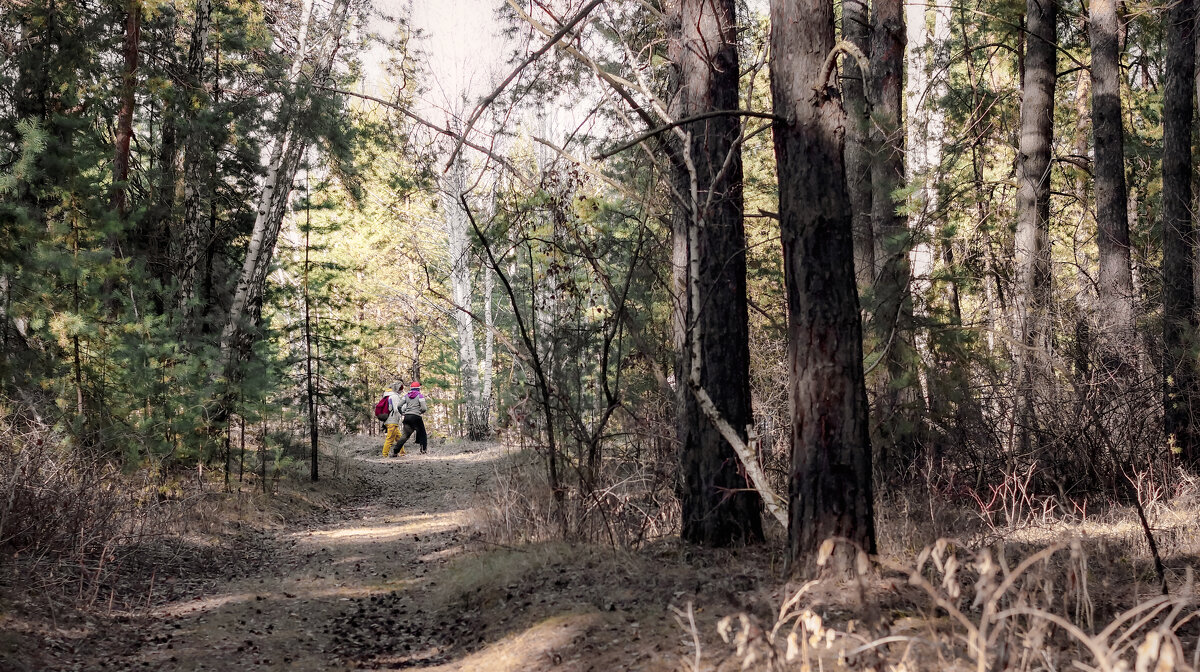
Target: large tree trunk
[(856, 30), (245, 310), (462, 293), (1179, 237), (712, 332), (892, 314), (1032, 245), (1112, 208), (829, 489)]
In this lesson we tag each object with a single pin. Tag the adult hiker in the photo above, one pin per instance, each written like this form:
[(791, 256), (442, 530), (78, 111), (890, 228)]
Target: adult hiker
[(394, 417), (412, 407)]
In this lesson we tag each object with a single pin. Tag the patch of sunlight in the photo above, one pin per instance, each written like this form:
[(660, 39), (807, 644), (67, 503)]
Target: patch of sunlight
[(426, 523), (550, 640), (204, 604), (340, 591), (475, 456), (443, 554), (356, 591)]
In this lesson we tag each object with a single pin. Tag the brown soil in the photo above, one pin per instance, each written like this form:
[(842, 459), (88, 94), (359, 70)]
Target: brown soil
[(381, 567), (396, 578)]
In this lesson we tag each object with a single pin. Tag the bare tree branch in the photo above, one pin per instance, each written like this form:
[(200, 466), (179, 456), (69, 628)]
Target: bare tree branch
[(483, 104)]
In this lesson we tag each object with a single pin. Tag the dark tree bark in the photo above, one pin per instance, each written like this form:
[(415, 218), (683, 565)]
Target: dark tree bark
[(133, 31), (1179, 237), (856, 30), (1032, 242), (892, 315), (1112, 209), (829, 489), (712, 332)]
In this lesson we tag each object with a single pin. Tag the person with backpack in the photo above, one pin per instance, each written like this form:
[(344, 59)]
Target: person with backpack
[(388, 410), (412, 406)]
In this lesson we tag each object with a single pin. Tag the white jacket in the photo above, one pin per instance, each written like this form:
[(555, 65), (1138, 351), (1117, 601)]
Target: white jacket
[(396, 416)]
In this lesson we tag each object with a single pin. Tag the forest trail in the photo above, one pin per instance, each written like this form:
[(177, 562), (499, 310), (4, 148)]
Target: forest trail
[(294, 614), (398, 579)]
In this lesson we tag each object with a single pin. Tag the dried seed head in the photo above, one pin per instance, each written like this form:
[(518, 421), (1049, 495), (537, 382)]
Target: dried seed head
[(825, 552)]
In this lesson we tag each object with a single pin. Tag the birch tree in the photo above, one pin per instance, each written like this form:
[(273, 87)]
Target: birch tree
[(317, 46), (454, 188), (925, 128), (1032, 245)]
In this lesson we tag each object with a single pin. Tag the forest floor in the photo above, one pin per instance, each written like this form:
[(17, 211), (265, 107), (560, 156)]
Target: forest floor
[(381, 566), (381, 569)]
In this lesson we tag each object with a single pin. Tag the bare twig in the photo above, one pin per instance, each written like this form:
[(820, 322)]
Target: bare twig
[(487, 101), (641, 137)]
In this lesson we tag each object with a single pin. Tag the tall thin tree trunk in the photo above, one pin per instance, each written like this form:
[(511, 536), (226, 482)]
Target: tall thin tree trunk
[(489, 337), (829, 488), (462, 294), (1115, 279), (193, 236), (1083, 281), (856, 29), (712, 334), (133, 31), (892, 314), (925, 126), (1179, 235), (1032, 245), (151, 236), (244, 311), (310, 381)]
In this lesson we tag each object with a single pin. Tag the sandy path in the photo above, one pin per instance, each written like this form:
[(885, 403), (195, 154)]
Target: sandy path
[(295, 613)]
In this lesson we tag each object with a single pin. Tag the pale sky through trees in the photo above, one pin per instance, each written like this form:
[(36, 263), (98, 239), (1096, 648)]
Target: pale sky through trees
[(464, 50)]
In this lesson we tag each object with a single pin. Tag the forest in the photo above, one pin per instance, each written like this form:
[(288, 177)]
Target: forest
[(754, 334)]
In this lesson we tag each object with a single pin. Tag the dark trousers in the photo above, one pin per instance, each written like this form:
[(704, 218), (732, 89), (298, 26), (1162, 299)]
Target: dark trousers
[(413, 423)]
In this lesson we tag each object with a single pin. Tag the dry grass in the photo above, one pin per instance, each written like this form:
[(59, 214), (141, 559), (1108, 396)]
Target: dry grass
[(80, 535), (630, 505), (1004, 580)]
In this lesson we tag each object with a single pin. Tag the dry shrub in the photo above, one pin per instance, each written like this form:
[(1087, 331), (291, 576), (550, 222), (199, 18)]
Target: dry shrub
[(982, 610), (65, 514), (630, 504), (78, 531)]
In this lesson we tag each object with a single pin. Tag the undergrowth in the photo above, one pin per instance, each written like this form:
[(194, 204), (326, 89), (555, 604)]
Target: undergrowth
[(1005, 578), (80, 532)]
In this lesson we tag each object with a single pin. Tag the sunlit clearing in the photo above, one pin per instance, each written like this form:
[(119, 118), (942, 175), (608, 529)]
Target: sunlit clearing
[(549, 640), (204, 604), (420, 524)]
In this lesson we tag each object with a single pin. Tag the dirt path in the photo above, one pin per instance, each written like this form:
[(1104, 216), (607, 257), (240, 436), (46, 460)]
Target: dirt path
[(399, 580), (297, 613)]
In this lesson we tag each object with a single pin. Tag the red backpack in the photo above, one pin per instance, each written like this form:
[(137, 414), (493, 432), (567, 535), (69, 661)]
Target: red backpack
[(382, 408)]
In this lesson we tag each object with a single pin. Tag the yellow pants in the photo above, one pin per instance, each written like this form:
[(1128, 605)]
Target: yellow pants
[(393, 435)]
